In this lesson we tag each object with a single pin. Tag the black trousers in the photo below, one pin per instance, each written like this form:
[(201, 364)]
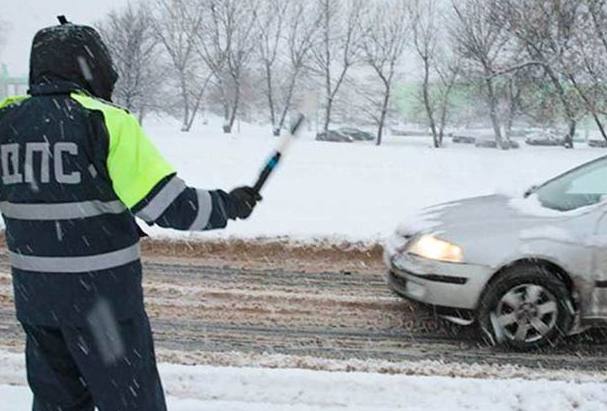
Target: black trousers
[(80, 368)]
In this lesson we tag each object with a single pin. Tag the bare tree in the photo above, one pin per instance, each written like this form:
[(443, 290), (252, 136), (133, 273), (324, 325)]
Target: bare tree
[(271, 24), (531, 59), (440, 69), (384, 43), (592, 44), (227, 44), (213, 48), (481, 43), (513, 93), (338, 48), (545, 30), (585, 61), (301, 37), (425, 39), (135, 51), (286, 30), (175, 23), (448, 72)]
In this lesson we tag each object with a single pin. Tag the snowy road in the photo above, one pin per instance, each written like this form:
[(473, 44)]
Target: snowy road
[(203, 313), (249, 389)]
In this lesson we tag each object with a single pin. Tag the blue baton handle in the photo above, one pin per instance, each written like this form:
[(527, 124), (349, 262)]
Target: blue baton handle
[(275, 159), (267, 170)]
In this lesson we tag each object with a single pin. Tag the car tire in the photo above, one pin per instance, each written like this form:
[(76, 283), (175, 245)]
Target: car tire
[(526, 308)]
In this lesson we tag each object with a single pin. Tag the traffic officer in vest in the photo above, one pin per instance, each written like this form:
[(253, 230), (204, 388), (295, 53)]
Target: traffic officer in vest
[(76, 169)]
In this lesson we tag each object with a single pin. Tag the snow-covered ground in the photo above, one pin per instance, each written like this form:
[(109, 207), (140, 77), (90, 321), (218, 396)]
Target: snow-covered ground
[(248, 389), (357, 191)]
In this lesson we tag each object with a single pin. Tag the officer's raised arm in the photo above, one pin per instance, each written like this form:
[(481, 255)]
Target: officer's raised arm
[(156, 194), (150, 187)]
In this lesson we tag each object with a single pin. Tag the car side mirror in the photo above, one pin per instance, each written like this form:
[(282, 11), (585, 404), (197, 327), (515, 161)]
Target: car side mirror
[(531, 190)]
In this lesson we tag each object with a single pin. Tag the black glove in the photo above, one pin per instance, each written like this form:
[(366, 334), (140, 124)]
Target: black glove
[(242, 201)]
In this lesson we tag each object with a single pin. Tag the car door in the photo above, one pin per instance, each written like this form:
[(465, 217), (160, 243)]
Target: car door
[(598, 301), (586, 188), (582, 193)]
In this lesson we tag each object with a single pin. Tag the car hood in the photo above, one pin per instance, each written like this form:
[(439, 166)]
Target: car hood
[(496, 230), (494, 211)]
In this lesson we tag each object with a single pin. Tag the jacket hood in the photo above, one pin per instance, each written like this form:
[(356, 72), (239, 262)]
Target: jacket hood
[(71, 54)]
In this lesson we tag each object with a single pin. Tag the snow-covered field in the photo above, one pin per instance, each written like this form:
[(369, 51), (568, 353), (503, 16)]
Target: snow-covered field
[(248, 389), (357, 192)]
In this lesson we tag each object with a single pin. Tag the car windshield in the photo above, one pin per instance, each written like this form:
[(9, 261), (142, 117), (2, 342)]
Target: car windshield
[(580, 187)]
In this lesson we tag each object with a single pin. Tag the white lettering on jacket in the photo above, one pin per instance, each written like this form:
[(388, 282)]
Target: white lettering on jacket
[(27, 169)]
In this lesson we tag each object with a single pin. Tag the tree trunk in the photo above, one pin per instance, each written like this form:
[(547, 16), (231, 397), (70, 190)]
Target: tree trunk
[(198, 102), (444, 107), (227, 128), (600, 125), (589, 105), (443, 119), (287, 105), (327, 119), (186, 103), (512, 97), (509, 117), (571, 133), (493, 114), (384, 113), (142, 114), (327, 62), (569, 114), (509, 125), (226, 113), (270, 96), (428, 103)]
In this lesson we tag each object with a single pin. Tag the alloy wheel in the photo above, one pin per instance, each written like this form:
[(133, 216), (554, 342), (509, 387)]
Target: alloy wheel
[(526, 313)]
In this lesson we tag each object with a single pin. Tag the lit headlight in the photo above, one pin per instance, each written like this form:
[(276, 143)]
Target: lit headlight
[(430, 247)]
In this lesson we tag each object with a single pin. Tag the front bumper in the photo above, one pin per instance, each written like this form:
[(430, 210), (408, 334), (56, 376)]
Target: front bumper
[(438, 283)]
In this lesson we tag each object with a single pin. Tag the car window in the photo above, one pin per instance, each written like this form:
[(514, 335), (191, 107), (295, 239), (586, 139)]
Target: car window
[(581, 187), (593, 182)]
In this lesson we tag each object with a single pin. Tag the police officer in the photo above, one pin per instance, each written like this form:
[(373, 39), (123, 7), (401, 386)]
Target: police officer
[(75, 171)]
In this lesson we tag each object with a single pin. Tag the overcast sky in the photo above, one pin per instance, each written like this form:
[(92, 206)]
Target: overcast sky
[(25, 17)]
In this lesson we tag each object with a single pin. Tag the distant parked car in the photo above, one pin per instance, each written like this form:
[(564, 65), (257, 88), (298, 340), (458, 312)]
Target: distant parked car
[(493, 144), (597, 143), (519, 132), (545, 138), (410, 133), (463, 140), (334, 136), (397, 132), (356, 134)]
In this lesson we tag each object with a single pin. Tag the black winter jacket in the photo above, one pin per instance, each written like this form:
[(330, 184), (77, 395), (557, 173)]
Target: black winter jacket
[(75, 169)]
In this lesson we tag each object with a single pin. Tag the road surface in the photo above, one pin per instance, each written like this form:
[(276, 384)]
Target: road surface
[(199, 308)]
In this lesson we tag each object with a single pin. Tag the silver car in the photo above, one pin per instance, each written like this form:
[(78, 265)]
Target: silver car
[(529, 270)]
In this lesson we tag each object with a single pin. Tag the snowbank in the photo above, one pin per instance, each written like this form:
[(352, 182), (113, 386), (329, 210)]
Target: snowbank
[(195, 388), (356, 192)]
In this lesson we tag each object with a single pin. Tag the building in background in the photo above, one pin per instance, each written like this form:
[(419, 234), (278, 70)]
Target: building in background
[(11, 85)]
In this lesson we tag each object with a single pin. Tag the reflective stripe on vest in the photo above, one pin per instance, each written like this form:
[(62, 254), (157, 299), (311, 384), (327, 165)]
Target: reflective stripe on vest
[(161, 201), (205, 208), (74, 265), (62, 211)]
